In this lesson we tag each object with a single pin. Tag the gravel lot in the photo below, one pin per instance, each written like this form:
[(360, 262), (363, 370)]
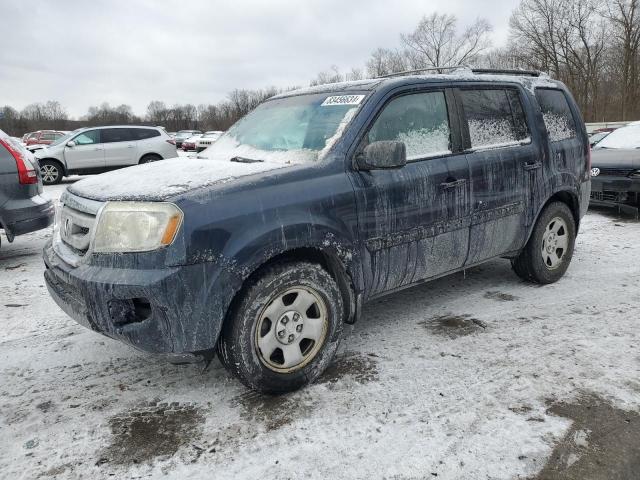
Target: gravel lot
[(469, 377)]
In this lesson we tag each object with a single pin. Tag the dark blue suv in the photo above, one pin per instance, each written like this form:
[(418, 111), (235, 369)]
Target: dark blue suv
[(315, 203)]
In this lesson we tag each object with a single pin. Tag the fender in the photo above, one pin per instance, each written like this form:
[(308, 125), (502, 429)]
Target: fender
[(571, 188)]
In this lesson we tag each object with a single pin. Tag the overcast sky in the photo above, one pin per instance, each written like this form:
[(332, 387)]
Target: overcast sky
[(82, 53)]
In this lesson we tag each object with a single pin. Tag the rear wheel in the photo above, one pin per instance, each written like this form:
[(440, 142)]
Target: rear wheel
[(548, 253), (285, 329), (51, 172), (151, 157)]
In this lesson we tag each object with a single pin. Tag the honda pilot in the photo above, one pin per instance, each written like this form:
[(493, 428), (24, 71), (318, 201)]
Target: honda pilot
[(317, 202)]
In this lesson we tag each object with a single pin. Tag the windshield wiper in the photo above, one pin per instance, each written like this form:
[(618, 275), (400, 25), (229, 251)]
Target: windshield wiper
[(245, 160)]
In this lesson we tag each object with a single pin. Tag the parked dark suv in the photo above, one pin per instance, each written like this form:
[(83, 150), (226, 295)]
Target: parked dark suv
[(22, 207), (315, 203)]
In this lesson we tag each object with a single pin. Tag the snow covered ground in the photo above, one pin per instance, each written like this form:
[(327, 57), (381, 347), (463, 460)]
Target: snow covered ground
[(472, 377)]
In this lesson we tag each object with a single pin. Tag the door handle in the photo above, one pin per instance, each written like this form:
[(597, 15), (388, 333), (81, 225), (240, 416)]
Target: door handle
[(532, 166), (97, 149), (130, 146), (453, 183)]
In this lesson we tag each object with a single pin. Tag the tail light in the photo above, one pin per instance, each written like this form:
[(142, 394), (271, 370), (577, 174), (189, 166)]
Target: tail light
[(27, 174), (171, 141)]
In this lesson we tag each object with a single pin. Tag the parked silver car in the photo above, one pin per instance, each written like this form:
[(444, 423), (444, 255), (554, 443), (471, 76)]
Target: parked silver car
[(100, 149)]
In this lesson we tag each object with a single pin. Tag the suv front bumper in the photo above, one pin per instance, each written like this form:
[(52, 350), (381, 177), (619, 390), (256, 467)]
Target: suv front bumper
[(612, 190), (172, 310)]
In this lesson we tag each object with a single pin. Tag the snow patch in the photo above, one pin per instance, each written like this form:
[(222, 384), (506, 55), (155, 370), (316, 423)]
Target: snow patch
[(426, 141), (558, 127)]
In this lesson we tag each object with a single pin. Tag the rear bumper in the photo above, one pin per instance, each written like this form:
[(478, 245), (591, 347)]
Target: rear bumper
[(172, 311), (24, 216)]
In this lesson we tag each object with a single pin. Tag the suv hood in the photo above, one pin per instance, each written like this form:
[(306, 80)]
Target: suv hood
[(165, 178), (615, 157)]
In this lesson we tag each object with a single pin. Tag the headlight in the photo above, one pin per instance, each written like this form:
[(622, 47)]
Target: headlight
[(136, 226), (635, 174)]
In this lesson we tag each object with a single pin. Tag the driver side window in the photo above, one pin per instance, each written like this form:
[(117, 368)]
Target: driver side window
[(418, 120), (87, 138)]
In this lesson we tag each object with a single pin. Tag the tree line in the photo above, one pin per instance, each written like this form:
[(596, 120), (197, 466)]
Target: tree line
[(220, 116), (590, 45)]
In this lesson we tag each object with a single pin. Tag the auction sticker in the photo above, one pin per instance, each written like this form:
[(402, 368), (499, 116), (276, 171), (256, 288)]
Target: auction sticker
[(343, 100)]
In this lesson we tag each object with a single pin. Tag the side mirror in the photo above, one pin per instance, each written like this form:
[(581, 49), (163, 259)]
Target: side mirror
[(383, 154), (71, 144)]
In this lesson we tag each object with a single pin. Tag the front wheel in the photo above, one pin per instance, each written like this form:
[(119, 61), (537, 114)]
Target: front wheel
[(285, 329), (548, 253)]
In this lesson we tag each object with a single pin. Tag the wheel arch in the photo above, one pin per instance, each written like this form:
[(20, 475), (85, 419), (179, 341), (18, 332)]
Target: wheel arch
[(56, 160), (147, 154), (567, 196), (328, 259)]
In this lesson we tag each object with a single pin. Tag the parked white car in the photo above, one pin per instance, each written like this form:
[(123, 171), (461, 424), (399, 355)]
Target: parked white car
[(206, 140), (100, 149)]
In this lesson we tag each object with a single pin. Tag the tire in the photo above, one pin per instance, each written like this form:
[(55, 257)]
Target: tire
[(150, 157), (298, 344), (548, 252), (51, 172)]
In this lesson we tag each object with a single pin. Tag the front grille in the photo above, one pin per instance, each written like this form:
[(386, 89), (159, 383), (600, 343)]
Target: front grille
[(617, 172), (608, 196), (75, 228), (77, 221)]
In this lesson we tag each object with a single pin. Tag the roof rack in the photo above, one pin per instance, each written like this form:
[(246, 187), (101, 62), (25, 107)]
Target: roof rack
[(507, 71), (478, 71), (420, 70)]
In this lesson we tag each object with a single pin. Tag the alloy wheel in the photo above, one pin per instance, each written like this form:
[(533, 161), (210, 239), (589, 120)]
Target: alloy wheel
[(291, 329), (49, 173), (555, 243)]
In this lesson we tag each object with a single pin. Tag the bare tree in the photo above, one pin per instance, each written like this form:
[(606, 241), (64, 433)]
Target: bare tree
[(437, 42), (625, 18), (157, 113), (333, 75), (384, 61)]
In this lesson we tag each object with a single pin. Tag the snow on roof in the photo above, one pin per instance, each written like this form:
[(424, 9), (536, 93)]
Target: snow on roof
[(527, 81)]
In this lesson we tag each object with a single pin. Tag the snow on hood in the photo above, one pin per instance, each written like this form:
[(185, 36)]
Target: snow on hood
[(627, 137), (165, 178)]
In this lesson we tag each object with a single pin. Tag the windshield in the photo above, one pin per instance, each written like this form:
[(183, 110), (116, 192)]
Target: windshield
[(288, 129), (64, 138), (626, 137)]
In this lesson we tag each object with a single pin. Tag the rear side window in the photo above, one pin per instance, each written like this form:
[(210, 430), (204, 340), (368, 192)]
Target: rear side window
[(556, 113), (495, 117), (112, 135), (143, 133), (419, 120)]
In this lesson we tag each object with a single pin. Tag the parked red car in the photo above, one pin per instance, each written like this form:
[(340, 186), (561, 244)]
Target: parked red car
[(189, 144), (43, 137)]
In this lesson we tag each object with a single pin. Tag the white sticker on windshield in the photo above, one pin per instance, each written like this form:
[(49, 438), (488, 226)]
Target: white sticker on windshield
[(343, 100)]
